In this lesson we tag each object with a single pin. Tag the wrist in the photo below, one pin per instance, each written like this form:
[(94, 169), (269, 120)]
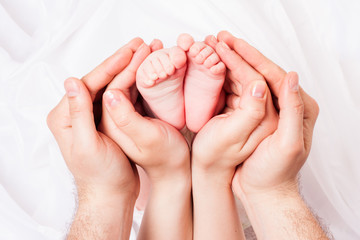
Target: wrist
[(280, 213), (287, 190), (98, 197), (179, 181), (212, 176), (178, 173), (101, 215)]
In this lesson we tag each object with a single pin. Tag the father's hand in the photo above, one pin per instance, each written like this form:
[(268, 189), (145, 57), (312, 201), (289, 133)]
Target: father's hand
[(106, 181), (267, 181)]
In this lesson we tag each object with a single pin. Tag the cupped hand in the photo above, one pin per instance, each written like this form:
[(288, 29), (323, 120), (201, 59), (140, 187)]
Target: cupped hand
[(99, 166), (151, 143), (277, 160)]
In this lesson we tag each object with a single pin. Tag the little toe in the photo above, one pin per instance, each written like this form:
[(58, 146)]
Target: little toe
[(204, 54), (185, 41), (150, 74), (212, 60), (177, 57), (218, 68), (167, 65)]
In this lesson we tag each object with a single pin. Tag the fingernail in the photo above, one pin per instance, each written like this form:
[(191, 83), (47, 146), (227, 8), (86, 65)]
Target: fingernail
[(112, 99), (294, 83), (224, 45), (259, 90), (71, 88)]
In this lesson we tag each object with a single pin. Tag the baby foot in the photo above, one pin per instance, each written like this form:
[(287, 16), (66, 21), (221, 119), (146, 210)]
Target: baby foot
[(203, 82), (160, 79)]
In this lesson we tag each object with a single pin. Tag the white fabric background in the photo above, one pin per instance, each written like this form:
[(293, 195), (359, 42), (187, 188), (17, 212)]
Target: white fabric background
[(42, 42)]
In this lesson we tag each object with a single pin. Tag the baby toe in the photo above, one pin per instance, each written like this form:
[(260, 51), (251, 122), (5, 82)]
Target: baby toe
[(158, 68), (150, 76), (185, 41), (196, 48), (204, 54), (212, 60), (177, 57), (218, 68), (167, 65)]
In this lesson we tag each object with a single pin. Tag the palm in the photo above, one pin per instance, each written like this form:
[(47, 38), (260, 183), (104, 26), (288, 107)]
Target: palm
[(267, 167)]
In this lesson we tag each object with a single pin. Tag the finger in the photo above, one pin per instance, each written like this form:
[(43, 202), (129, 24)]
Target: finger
[(211, 41), (291, 111), (81, 112), (272, 72), (275, 76), (134, 44), (59, 123), (155, 45), (127, 77), (221, 103), (241, 72), (242, 122), (107, 70), (123, 114), (233, 101)]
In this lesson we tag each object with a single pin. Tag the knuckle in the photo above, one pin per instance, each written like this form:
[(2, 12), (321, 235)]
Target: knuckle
[(299, 108), (256, 114), (50, 120), (315, 107), (123, 121), (292, 150), (75, 112)]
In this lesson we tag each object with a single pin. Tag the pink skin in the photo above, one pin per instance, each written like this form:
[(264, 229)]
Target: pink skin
[(160, 79), (203, 82)]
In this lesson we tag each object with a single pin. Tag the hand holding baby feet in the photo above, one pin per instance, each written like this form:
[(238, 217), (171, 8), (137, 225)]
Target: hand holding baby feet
[(223, 143), (203, 82), (159, 79), (163, 153)]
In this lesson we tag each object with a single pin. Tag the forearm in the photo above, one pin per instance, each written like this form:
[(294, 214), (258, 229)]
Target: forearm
[(168, 214), (102, 217), (281, 214), (215, 213)]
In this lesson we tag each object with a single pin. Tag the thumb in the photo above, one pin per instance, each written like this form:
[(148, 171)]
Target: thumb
[(242, 122), (291, 110), (125, 117), (80, 110)]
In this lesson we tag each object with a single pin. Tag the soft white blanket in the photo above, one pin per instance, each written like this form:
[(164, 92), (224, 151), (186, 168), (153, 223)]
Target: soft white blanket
[(42, 42)]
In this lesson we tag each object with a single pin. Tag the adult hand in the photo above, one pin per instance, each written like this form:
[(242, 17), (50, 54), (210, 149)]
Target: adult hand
[(266, 182), (288, 147), (159, 149), (106, 181)]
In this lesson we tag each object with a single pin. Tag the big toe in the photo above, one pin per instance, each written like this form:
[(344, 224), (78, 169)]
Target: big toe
[(177, 57), (185, 41)]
